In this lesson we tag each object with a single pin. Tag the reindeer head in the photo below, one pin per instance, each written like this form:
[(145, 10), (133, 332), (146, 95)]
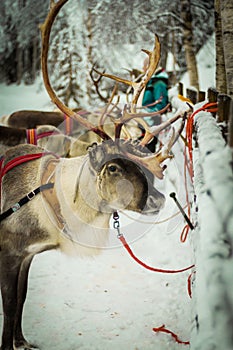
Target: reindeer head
[(121, 182)]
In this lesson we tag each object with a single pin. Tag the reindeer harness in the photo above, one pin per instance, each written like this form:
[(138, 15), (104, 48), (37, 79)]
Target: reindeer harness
[(33, 137), (29, 196)]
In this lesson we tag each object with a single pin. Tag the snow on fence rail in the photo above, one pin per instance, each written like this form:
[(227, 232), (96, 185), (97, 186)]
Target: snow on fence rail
[(212, 215), (213, 235)]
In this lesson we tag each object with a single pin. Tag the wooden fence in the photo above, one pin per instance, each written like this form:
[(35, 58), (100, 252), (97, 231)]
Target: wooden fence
[(212, 215), (225, 107)]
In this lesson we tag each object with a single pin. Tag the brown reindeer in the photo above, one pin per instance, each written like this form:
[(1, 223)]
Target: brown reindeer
[(51, 138), (49, 203), (30, 119), (45, 136)]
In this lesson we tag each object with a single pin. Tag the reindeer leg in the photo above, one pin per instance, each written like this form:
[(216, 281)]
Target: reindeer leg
[(9, 272), (19, 340)]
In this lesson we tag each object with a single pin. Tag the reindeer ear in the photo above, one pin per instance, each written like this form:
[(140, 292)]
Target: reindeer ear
[(97, 156)]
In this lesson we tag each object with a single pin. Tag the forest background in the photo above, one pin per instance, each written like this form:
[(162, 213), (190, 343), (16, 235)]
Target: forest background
[(100, 32)]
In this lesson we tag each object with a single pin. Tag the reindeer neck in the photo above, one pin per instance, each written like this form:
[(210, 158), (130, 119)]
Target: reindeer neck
[(76, 190), (85, 224)]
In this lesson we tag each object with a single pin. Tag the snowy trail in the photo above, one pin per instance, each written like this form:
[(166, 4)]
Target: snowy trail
[(109, 301)]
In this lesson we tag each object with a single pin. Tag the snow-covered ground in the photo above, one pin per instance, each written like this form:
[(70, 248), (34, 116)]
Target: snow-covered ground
[(110, 302)]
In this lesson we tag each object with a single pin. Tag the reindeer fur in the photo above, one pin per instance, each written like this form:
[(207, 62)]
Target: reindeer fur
[(88, 188)]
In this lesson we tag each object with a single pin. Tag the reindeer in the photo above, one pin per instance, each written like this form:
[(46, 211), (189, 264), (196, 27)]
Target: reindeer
[(53, 139), (31, 119), (45, 136), (65, 203)]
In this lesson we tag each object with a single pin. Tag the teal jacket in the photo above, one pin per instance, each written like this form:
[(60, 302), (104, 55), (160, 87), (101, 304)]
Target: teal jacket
[(156, 88)]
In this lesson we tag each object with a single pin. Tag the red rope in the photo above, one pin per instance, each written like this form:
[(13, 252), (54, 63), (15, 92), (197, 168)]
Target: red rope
[(208, 107), (190, 283), (162, 328), (123, 241), (189, 131), (188, 163), (175, 336), (184, 233)]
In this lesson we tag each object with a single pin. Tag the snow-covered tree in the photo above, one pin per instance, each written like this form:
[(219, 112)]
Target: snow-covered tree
[(188, 43), (221, 83), (92, 31), (20, 39), (224, 36)]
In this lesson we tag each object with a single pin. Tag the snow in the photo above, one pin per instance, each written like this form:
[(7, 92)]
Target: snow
[(17, 97), (110, 302), (170, 65)]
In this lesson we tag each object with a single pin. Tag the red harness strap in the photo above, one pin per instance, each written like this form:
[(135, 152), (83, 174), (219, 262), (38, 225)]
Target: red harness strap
[(20, 160), (47, 134), (31, 136), (29, 196), (17, 161), (68, 124)]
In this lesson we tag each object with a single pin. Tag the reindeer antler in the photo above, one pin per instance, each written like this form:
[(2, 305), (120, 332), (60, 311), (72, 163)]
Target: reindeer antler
[(96, 82), (45, 31), (138, 87), (106, 111), (153, 162)]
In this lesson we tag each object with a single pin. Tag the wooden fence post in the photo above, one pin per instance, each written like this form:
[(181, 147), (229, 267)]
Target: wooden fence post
[(212, 95), (180, 89), (192, 94), (201, 96), (224, 102)]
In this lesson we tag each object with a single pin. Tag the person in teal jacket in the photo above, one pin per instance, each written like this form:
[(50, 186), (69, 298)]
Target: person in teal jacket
[(156, 89)]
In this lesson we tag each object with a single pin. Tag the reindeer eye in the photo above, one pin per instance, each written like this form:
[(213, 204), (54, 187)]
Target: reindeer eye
[(112, 168)]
